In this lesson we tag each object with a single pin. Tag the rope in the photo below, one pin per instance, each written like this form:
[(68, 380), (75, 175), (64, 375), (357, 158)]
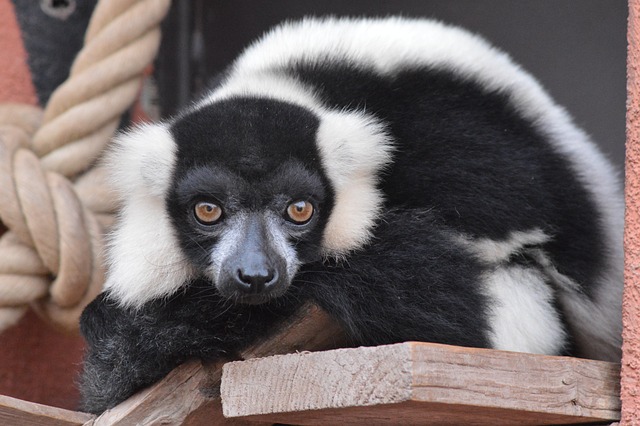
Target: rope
[(54, 204)]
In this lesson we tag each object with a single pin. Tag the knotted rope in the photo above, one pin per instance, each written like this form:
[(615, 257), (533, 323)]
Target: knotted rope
[(54, 203)]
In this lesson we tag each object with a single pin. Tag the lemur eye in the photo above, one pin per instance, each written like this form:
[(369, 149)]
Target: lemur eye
[(207, 213), (300, 212)]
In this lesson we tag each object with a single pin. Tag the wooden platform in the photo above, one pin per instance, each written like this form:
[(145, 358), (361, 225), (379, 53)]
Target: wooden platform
[(407, 383), (420, 383)]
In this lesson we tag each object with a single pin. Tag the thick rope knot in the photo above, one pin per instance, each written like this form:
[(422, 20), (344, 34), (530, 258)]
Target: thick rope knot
[(51, 230), (50, 258)]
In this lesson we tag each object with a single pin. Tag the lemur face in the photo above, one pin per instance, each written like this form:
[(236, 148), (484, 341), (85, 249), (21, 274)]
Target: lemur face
[(248, 201), (241, 190)]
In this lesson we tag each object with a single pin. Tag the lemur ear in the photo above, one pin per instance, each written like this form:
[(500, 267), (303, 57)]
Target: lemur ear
[(354, 148), (141, 159), (144, 256)]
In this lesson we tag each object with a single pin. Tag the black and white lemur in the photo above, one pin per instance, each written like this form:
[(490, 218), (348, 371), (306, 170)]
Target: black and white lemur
[(402, 174)]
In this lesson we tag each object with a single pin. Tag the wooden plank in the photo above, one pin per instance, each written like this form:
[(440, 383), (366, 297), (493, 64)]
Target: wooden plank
[(189, 395), (421, 383), (174, 397), (16, 412)]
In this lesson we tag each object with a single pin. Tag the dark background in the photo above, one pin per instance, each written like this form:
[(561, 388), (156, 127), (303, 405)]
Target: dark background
[(576, 48)]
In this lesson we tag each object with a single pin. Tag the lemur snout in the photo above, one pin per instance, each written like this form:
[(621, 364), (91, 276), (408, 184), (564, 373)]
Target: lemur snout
[(255, 279)]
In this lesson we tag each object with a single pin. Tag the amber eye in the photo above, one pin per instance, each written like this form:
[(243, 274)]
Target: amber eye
[(207, 213), (300, 212)]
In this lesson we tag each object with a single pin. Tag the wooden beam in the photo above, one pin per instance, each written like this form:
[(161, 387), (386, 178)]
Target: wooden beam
[(189, 395), (421, 383), (23, 413)]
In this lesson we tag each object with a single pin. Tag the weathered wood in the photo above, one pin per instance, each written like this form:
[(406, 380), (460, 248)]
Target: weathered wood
[(175, 397), (16, 412), (421, 383), (190, 394)]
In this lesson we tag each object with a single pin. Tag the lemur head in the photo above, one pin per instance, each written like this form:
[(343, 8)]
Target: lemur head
[(249, 200), (241, 191)]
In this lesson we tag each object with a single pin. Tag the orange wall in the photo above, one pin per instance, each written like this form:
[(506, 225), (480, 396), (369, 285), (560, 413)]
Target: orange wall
[(631, 306), (15, 79)]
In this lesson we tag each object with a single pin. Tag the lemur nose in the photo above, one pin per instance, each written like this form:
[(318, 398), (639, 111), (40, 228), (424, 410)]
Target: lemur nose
[(256, 280)]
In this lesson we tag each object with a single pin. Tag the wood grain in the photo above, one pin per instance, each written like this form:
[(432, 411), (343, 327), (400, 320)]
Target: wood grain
[(16, 412), (421, 383)]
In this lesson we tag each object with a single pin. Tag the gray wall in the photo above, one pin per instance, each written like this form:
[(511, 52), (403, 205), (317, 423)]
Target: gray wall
[(576, 48)]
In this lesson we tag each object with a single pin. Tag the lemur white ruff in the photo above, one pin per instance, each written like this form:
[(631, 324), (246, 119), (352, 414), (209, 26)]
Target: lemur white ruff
[(402, 174)]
